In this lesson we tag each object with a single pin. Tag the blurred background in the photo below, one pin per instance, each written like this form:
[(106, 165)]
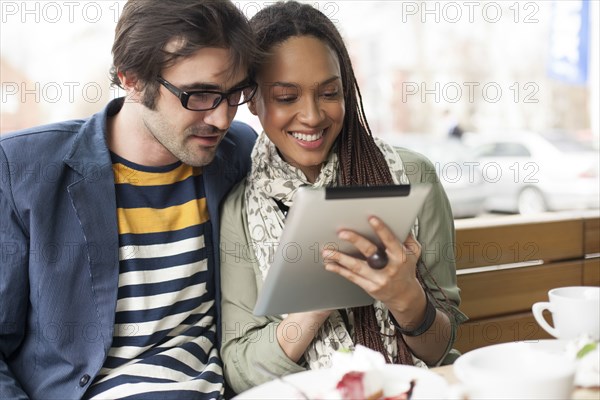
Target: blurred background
[(503, 96)]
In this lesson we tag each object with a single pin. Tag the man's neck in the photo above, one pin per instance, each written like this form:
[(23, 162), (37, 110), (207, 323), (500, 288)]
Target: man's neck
[(129, 138)]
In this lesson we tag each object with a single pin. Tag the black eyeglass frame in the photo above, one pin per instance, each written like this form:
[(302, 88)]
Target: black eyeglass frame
[(184, 96)]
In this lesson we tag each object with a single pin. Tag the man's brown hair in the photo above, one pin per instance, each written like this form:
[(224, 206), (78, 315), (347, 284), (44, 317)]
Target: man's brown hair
[(146, 27)]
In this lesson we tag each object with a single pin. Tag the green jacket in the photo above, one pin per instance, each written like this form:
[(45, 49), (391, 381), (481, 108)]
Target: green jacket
[(248, 338)]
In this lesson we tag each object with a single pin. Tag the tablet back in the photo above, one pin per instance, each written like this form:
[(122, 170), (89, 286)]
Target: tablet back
[(297, 280)]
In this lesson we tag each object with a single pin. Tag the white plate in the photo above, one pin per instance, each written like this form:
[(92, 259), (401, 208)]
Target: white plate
[(317, 383)]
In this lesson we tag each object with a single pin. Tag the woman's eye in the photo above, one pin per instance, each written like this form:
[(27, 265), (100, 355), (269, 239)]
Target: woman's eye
[(286, 99), (330, 91), (331, 94), (284, 94)]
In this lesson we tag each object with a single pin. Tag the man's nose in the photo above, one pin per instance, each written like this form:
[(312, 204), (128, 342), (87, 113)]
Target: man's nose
[(221, 116)]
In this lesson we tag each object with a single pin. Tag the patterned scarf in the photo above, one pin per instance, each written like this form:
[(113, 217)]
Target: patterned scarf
[(270, 179)]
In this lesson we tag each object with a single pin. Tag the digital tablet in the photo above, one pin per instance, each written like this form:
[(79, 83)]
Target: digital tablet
[(297, 279)]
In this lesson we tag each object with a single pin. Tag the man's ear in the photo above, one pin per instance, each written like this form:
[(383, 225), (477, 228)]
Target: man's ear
[(130, 83)]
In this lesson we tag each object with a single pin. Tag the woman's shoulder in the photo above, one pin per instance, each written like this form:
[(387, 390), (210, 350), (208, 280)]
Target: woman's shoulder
[(234, 201), (417, 166), (409, 155)]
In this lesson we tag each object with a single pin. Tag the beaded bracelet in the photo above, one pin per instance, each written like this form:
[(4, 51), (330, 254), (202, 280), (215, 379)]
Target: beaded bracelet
[(430, 313)]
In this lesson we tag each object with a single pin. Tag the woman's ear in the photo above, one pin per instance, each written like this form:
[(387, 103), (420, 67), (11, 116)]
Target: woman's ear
[(252, 105)]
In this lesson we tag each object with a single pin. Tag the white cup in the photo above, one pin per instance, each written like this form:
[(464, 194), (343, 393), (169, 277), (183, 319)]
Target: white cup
[(517, 370), (575, 312)]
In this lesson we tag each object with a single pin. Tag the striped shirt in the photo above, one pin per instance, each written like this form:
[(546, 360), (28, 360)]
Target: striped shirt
[(165, 324)]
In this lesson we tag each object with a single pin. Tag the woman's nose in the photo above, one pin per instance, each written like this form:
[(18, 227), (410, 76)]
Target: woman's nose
[(311, 113)]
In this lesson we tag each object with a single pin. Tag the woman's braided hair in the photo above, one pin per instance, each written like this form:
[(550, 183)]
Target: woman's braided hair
[(361, 161)]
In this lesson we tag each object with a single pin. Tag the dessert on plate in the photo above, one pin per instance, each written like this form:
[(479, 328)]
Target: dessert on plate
[(359, 375)]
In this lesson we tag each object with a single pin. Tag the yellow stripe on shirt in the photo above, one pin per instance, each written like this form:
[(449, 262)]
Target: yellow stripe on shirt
[(125, 174), (150, 220)]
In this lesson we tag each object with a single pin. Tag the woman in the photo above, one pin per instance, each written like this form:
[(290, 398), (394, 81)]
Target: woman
[(315, 132)]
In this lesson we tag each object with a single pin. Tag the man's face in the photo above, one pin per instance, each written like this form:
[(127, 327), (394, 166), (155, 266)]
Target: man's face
[(192, 136)]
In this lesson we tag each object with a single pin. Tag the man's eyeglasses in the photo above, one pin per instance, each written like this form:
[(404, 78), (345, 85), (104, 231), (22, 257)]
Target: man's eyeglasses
[(203, 100)]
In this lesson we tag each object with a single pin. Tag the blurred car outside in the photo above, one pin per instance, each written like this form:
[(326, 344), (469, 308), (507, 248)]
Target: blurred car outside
[(530, 173), (461, 178)]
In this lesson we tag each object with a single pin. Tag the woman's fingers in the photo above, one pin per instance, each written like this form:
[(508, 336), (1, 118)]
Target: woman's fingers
[(385, 234), (353, 264), (364, 245), (350, 268), (391, 244)]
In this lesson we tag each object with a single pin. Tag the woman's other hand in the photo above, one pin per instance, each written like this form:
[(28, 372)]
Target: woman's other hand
[(297, 330)]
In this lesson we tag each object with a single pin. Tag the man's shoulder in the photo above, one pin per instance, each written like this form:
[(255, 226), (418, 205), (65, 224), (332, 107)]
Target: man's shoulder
[(242, 134), (43, 136), (240, 127), (237, 145), (58, 133), (72, 125)]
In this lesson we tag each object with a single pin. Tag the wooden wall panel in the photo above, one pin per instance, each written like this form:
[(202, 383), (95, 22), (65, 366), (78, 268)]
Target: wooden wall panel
[(506, 243), (493, 293), (522, 326), (592, 235), (591, 272)]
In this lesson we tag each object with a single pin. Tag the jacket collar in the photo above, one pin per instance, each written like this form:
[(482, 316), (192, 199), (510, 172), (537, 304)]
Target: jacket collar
[(89, 152)]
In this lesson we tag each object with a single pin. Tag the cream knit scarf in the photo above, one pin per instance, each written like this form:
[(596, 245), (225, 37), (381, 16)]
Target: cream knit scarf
[(272, 178)]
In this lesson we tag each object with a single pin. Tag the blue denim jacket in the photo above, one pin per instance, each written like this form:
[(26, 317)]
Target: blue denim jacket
[(59, 263)]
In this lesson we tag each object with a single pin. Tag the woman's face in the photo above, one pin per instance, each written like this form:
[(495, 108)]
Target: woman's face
[(300, 102)]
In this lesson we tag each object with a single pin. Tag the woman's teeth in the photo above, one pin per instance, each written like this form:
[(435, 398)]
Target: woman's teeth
[(307, 138)]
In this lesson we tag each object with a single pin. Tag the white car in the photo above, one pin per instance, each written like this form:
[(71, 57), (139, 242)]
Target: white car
[(461, 178), (530, 173)]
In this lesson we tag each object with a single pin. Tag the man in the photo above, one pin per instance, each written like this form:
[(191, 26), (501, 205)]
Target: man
[(109, 279)]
